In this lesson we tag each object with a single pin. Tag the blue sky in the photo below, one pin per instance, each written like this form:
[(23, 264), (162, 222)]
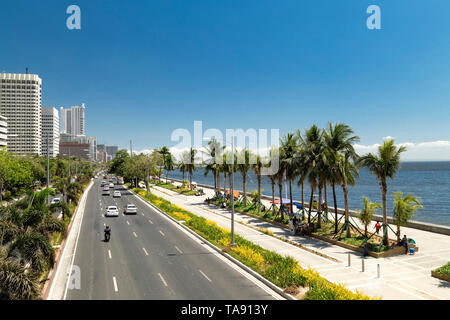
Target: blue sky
[(145, 68)]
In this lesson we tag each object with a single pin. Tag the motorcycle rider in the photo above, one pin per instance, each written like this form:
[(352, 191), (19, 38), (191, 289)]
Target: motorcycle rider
[(107, 232)]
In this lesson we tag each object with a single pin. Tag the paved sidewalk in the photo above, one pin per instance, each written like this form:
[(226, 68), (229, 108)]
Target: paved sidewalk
[(401, 277)]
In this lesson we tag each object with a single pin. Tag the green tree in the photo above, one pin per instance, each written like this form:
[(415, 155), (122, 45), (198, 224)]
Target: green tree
[(366, 215), (338, 138), (244, 166), (405, 208), (348, 172), (289, 149), (384, 166)]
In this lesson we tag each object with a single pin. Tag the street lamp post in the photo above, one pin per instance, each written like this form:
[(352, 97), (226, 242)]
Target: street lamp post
[(48, 162), (232, 243)]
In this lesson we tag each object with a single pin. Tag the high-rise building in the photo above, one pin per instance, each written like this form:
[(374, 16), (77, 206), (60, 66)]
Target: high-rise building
[(3, 132), (20, 103), (50, 130), (74, 149), (93, 147), (73, 120), (111, 151)]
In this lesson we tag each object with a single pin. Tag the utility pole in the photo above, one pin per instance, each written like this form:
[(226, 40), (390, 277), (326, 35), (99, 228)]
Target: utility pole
[(48, 169), (131, 148)]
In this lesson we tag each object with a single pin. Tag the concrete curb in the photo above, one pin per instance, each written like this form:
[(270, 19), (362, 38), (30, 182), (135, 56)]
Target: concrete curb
[(232, 259)]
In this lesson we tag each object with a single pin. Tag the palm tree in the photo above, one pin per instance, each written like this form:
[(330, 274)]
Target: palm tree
[(348, 172), (384, 165), (313, 147), (257, 169), (16, 283), (272, 168), (26, 228), (169, 165), (191, 165), (404, 209), (213, 152), (366, 215), (337, 138), (164, 151), (243, 165), (289, 147)]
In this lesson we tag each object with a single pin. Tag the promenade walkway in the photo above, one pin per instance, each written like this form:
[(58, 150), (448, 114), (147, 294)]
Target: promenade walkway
[(402, 277)]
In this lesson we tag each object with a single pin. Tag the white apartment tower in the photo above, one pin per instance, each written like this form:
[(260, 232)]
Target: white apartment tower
[(73, 120), (50, 129), (20, 103), (3, 132)]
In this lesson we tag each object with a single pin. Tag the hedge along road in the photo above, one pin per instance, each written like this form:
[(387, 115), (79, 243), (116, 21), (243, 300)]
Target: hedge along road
[(150, 257)]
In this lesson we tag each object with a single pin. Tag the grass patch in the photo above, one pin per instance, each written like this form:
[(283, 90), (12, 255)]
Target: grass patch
[(285, 272), (445, 269)]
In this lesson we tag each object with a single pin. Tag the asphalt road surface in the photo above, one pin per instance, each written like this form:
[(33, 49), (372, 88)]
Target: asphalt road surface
[(149, 257)]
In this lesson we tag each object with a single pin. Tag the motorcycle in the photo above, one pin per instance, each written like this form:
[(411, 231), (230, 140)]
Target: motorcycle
[(107, 236)]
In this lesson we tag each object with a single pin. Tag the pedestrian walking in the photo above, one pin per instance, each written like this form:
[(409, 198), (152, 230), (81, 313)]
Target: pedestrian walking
[(378, 227)]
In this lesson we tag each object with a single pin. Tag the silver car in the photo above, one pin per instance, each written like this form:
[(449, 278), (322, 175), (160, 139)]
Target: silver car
[(131, 209)]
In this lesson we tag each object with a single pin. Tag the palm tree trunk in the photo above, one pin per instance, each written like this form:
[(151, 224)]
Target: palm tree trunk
[(243, 187), (303, 194), (218, 181), (259, 192), (319, 208), (290, 195), (215, 180), (326, 197), (280, 187), (335, 209), (347, 222), (383, 193), (272, 182), (224, 181), (310, 205)]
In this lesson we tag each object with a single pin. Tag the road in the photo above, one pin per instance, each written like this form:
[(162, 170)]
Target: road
[(150, 257)]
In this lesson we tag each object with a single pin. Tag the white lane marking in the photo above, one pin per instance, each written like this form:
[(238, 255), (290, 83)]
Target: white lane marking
[(150, 221), (115, 284), (128, 223), (162, 279), (161, 232), (203, 274), (143, 214), (216, 254), (109, 253), (135, 234), (146, 253), (178, 249)]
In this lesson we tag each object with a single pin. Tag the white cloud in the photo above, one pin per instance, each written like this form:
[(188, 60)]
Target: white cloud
[(422, 151)]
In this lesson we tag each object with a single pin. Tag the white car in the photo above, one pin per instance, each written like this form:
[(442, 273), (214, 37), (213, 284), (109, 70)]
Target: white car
[(111, 185), (116, 194), (55, 200), (131, 209), (112, 211), (141, 185)]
